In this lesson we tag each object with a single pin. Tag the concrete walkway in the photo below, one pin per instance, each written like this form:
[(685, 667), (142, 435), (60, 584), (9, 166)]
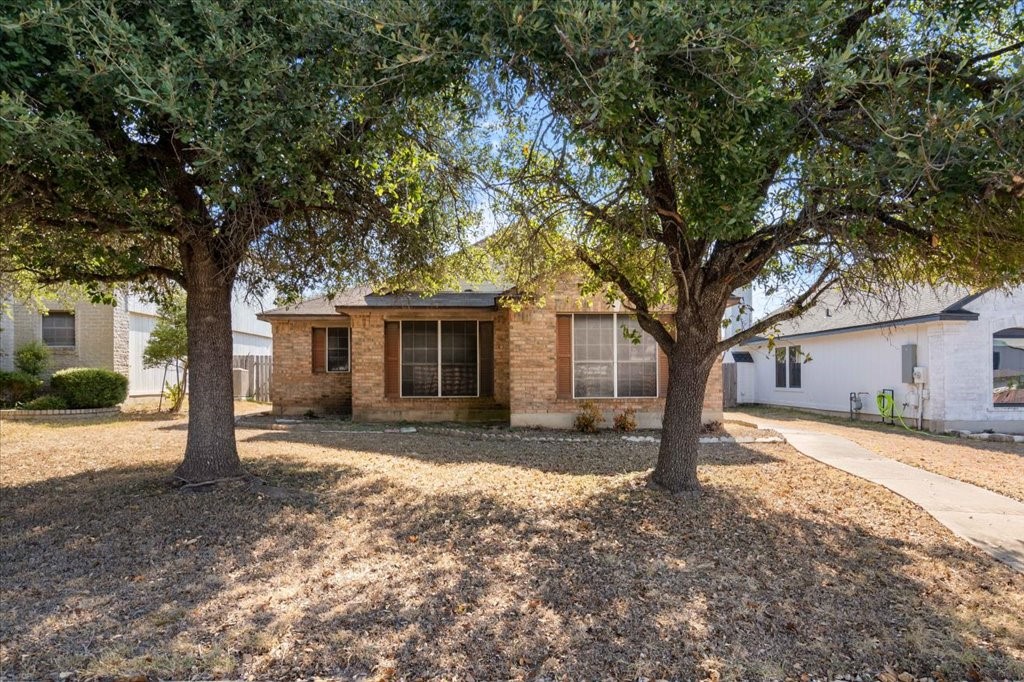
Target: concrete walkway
[(991, 522)]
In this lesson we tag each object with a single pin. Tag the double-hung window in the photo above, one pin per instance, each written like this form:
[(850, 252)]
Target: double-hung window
[(613, 357), (788, 366), (59, 329), (337, 349), (331, 349), (440, 358)]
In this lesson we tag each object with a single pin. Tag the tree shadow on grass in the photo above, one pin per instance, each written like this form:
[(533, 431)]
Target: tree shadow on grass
[(578, 458), (109, 573)]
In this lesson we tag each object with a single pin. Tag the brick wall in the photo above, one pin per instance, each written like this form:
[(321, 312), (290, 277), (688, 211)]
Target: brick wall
[(524, 372), (533, 396), (369, 402), (294, 388)]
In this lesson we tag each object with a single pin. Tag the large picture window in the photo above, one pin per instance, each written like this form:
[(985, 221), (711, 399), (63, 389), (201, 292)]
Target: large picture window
[(1008, 367), (59, 329), (788, 367), (440, 358), (608, 363)]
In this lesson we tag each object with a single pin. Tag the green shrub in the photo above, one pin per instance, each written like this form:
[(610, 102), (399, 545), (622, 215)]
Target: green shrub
[(18, 386), (588, 417), (85, 387), (32, 358), (46, 402)]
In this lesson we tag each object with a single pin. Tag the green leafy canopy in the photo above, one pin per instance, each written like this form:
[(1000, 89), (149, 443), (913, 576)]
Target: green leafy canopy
[(683, 150)]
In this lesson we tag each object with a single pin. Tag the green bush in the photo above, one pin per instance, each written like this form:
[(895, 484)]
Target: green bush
[(46, 402), (85, 387), (32, 358), (18, 386)]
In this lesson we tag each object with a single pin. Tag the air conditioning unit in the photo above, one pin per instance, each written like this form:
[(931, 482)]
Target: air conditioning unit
[(920, 375)]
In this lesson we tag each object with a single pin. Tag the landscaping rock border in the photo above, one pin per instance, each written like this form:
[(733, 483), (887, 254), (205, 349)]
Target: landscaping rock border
[(333, 427), (985, 435), (89, 413)]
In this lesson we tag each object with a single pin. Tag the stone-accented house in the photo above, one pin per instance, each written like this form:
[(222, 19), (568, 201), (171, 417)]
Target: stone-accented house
[(464, 356), (77, 334), (83, 334)]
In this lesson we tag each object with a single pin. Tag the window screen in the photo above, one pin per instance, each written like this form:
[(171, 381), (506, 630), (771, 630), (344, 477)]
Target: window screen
[(780, 368), (794, 367), (458, 358), (59, 329), (419, 358), (594, 356), (337, 349), (637, 362)]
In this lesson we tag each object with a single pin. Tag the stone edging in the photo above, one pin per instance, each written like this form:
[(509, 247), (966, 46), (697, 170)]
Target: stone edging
[(60, 414), (991, 437), (302, 425), (587, 439)]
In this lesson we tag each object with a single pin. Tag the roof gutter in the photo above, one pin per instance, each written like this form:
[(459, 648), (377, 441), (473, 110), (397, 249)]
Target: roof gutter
[(945, 316)]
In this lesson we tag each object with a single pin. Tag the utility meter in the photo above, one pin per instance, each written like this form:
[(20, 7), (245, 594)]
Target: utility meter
[(920, 375)]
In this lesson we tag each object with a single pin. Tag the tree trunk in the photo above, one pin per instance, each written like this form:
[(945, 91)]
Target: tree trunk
[(688, 372), (210, 452)]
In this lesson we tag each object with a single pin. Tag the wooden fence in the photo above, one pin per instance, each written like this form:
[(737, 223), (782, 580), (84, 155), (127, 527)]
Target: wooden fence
[(260, 370), (729, 380)]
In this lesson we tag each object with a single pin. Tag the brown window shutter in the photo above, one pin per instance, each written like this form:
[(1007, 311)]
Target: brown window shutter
[(486, 343), (662, 373), (392, 360), (563, 356), (319, 349)]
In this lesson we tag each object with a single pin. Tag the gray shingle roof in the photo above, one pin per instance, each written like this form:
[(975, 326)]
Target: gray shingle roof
[(836, 311), (320, 306), (484, 296), (455, 299)]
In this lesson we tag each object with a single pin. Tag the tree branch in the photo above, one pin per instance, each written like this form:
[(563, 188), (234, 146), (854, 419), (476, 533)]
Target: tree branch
[(648, 321), (796, 307)]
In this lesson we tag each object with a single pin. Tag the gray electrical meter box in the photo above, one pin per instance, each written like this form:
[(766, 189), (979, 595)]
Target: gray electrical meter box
[(909, 362)]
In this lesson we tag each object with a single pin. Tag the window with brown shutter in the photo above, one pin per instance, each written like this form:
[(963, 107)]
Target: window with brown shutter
[(392, 360), (486, 341), (563, 357), (319, 345)]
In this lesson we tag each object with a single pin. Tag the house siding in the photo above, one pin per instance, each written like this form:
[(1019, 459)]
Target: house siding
[(294, 387), (957, 356)]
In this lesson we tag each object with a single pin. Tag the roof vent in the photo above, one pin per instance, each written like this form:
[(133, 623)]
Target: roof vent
[(828, 313)]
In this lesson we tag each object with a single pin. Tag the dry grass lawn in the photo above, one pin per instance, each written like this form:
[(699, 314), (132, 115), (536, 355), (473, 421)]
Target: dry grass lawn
[(455, 557), (996, 466)]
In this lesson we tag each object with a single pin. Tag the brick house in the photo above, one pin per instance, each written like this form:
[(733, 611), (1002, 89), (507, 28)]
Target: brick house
[(463, 356)]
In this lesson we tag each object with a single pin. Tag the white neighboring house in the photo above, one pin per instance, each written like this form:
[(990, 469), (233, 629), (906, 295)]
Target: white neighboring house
[(968, 351), (114, 337)]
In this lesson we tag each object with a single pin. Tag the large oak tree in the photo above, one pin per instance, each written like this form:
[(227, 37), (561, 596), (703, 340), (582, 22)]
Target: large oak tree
[(221, 143), (684, 150)]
